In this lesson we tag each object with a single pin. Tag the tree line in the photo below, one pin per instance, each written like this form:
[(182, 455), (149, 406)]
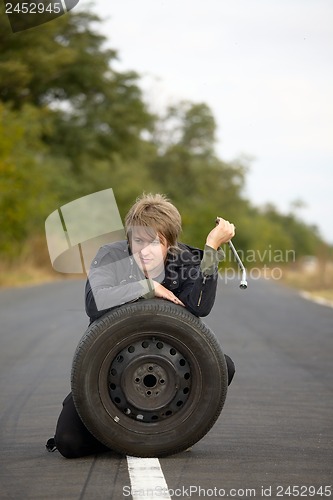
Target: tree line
[(71, 125)]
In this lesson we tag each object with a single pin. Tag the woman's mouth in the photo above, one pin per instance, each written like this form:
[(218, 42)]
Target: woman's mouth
[(145, 261)]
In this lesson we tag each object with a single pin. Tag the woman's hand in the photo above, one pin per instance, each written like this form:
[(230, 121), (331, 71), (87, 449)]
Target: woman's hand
[(164, 293), (222, 233)]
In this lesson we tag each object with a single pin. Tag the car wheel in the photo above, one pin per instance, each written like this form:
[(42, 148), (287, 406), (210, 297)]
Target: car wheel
[(149, 378)]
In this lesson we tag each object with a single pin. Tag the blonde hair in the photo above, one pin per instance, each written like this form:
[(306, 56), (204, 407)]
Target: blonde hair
[(157, 214)]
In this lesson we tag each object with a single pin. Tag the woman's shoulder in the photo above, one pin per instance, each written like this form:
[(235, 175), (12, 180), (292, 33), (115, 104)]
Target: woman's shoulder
[(116, 250), (187, 255)]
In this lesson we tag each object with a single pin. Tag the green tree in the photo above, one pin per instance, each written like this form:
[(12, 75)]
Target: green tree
[(26, 176), (97, 112), (189, 171), (70, 124)]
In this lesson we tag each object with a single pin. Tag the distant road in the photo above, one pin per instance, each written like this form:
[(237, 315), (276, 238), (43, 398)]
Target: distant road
[(275, 431)]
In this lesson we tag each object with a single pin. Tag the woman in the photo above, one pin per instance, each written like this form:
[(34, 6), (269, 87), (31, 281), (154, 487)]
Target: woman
[(150, 263)]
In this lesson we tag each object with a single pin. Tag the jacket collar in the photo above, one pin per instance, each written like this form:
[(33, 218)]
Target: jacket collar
[(184, 255)]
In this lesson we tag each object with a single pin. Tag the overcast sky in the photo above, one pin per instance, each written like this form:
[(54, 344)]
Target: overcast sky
[(265, 69)]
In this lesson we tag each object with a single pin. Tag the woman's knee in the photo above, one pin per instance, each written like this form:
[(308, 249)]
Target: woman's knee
[(231, 368), (68, 445)]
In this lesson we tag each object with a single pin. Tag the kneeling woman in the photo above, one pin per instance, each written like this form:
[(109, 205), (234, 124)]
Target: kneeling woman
[(150, 263)]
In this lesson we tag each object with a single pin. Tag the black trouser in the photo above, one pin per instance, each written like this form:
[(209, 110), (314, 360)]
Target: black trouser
[(73, 439)]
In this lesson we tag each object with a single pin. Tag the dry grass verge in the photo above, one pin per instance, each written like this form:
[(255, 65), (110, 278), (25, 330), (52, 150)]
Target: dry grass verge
[(316, 282), (33, 267), (27, 274)]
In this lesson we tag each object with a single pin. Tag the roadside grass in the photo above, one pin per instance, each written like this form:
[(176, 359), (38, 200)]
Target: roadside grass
[(317, 282), (322, 294), (19, 274), (22, 274), (33, 267)]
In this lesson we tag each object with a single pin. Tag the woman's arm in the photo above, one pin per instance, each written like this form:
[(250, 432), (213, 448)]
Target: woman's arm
[(199, 289), (112, 282)]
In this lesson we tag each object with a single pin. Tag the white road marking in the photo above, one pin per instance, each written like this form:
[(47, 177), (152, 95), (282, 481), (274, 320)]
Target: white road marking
[(147, 479), (317, 300)]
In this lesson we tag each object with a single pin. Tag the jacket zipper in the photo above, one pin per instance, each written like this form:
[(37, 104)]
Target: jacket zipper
[(201, 291)]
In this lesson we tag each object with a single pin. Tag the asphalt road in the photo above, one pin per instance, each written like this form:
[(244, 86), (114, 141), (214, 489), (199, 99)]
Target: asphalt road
[(275, 431)]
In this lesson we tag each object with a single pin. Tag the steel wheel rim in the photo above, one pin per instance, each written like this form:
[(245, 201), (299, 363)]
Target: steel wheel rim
[(149, 380)]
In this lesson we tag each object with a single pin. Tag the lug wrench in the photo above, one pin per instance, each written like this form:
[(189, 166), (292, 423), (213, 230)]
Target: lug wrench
[(243, 283)]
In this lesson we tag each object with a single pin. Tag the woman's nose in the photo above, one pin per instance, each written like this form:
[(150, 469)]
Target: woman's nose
[(145, 250)]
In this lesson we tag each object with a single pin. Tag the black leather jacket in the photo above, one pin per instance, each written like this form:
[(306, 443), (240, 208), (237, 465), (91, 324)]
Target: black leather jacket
[(115, 279)]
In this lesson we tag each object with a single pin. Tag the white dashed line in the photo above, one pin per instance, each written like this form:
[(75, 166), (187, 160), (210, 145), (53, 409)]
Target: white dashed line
[(147, 479)]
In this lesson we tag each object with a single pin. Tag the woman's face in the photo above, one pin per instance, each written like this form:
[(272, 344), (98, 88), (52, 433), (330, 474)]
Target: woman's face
[(149, 251)]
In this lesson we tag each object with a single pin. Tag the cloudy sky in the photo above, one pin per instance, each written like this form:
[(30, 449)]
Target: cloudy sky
[(265, 69)]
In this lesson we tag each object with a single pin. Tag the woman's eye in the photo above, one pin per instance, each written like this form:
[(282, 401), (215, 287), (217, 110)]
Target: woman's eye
[(140, 241)]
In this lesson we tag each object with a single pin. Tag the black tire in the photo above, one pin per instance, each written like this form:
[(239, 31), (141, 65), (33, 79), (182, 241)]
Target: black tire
[(149, 379)]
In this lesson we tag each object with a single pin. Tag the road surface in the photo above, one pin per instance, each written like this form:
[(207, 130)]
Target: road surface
[(275, 431)]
